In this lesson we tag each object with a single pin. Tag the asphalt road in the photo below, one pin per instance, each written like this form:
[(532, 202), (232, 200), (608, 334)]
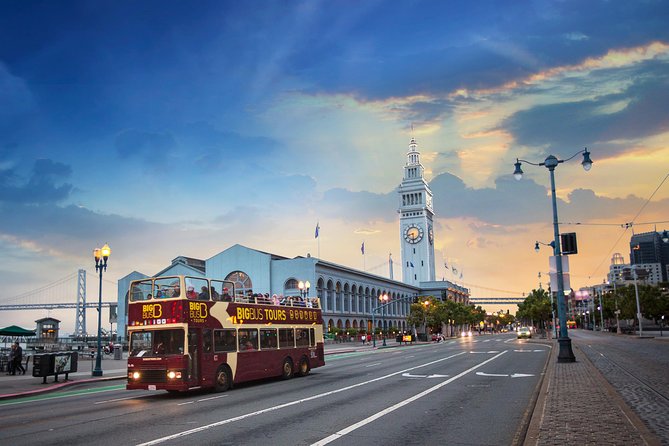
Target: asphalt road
[(471, 391)]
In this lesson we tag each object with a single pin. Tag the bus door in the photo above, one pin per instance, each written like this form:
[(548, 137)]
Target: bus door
[(207, 363), (194, 356)]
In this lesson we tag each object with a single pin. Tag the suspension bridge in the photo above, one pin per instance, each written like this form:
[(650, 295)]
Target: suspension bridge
[(67, 292)]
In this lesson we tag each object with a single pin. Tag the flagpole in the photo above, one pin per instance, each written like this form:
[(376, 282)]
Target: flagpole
[(318, 239), (362, 248)]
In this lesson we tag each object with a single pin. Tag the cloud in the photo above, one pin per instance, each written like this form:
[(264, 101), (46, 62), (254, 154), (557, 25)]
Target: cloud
[(636, 112), (40, 188), (359, 206)]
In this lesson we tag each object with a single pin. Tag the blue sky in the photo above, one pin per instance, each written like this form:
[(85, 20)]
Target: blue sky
[(171, 128)]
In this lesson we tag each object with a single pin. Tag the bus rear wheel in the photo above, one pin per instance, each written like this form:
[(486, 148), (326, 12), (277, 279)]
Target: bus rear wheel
[(222, 380), (303, 368), (287, 369)]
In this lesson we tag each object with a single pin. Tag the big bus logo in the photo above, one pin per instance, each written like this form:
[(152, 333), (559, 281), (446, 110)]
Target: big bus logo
[(198, 310), (152, 311)]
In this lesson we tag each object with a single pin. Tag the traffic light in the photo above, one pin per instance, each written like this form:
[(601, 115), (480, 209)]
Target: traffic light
[(568, 243)]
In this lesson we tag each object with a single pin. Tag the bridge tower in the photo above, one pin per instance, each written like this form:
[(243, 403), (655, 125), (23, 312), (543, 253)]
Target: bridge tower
[(80, 324)]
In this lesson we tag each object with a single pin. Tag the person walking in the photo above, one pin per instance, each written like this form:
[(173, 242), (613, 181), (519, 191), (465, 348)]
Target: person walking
[(10, 360), (18, 359)]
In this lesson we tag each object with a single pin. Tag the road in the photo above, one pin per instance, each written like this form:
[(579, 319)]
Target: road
[(467, 391)]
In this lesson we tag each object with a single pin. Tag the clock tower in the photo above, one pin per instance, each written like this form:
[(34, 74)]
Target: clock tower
[(416, 214)]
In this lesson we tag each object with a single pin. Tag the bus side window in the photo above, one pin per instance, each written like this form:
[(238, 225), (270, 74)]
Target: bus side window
[(225, 340), (268, 338)]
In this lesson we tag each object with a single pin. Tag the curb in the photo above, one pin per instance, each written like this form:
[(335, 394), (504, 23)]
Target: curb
[(53, 387), (528, 435)]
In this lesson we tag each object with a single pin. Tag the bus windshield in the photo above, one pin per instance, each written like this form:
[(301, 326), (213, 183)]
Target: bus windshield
[(157, 343)]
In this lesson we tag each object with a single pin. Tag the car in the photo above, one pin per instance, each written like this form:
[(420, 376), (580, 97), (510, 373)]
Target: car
[(466, 333), (524, 332)]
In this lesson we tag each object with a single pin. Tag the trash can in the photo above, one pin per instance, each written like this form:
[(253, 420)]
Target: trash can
[(118, 351)]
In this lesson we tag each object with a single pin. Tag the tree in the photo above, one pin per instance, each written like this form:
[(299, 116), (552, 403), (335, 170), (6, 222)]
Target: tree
[(536, 307)]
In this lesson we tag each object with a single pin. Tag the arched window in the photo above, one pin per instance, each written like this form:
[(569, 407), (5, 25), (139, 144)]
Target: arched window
[(290, 287), (243, 283)]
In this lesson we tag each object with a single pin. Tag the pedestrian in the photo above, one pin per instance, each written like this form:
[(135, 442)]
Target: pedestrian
[(10, 360), (18, 358)]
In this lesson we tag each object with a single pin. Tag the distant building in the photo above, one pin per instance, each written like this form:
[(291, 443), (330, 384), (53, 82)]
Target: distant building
[(47, 329), (648, 249)]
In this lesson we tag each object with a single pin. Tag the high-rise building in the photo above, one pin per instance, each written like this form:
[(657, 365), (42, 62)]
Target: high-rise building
[(416, 215), (648, 248)]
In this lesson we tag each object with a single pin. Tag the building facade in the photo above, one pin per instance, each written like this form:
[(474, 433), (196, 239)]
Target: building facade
[(350, 298), (648, 249)]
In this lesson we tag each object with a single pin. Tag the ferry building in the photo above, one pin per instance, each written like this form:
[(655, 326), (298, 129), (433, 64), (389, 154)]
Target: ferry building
[(348, 296)]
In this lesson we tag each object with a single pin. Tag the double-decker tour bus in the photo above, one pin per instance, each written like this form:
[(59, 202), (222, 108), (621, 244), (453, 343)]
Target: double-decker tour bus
[(189, 332)]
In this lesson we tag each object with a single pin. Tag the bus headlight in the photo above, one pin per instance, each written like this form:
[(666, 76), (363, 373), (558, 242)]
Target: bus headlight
[(133, 375), (174, 374)]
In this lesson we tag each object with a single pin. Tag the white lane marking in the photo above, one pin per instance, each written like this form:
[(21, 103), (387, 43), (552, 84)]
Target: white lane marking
[(489, 352), (202, 399), (409, 375), (351, 428), (291, 403), (373, 365), (122, 399), (212, 398), (515, 375), (529, 351)]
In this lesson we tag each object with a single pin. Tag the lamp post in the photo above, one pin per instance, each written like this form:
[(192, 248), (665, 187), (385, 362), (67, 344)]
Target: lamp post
[(383, 298), (551, 162), (304, 289), (101, 256)]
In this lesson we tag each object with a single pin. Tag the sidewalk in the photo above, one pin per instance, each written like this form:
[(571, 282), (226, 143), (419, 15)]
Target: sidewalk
[(562, 416)]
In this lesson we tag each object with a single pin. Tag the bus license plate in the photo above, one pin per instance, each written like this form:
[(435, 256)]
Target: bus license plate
[(152, 387)]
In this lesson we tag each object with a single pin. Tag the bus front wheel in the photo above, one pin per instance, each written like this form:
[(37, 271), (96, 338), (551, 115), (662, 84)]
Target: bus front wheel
[(287, 369), (303, 368), (222, 381)]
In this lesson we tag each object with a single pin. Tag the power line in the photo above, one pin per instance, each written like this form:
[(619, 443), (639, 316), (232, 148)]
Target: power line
[(627, 226)]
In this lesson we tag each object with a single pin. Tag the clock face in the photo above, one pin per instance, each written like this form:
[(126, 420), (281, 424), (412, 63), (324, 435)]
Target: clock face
[(413, 234), (430, 234)]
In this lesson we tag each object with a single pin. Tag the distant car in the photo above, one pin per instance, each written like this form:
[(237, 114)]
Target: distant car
[(466, 333), (524, 332)]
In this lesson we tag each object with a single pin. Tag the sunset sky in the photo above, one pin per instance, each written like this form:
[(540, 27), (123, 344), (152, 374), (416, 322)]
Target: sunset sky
[(169, 128)]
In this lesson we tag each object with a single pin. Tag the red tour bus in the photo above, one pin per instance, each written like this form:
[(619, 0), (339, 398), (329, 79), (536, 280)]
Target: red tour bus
[(189, 332)]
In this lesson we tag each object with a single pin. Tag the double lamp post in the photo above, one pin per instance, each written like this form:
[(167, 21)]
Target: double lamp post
[(565, 353), (101, 256)]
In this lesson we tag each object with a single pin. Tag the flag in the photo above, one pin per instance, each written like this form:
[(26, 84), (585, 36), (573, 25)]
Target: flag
[(317, 228), (411, 264), (461, 274), (362, 248), (445, 265), (455, 271)]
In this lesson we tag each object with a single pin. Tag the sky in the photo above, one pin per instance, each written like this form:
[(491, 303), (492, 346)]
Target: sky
[(168, 128)]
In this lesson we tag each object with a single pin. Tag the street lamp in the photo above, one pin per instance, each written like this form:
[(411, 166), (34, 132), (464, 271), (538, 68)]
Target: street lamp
[(101, 256), (565, 353), (383, 298), (304, 289), (426, 304)]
